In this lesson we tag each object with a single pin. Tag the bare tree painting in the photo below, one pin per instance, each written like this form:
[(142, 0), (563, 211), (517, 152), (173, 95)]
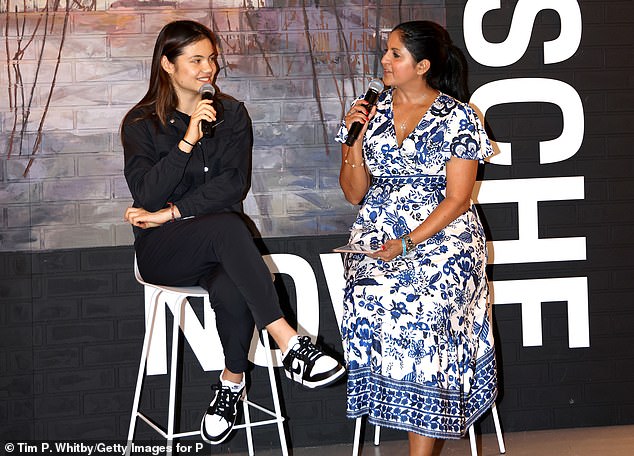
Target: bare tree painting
[(18, 20)]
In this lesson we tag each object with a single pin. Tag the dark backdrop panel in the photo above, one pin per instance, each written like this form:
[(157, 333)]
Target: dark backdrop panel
[(72, 328)]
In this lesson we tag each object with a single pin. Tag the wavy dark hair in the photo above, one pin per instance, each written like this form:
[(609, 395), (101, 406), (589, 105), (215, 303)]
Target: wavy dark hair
[(161, 98), (448, 69)]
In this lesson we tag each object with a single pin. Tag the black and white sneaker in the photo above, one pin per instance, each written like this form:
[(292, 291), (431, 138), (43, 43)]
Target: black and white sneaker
[(220, 418), (306, 364)]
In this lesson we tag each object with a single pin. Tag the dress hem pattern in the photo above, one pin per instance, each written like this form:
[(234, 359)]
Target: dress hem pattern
[(427, 410)]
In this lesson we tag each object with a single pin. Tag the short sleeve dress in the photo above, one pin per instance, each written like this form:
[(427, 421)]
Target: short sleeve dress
[(416, 330)]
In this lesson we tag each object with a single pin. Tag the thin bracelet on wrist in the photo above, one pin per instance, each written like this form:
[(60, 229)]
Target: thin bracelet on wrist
[(187, 142), (171, 206), (353, 165)]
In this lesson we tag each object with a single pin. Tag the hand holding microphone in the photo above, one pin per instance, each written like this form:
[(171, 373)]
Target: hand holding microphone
[(374, 89), (207, 92)]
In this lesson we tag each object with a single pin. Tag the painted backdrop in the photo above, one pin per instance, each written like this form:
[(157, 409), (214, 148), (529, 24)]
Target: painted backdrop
[(74, 68)]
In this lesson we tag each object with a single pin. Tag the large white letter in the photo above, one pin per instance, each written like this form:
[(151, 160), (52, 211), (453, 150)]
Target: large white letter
[(529, 248), (537, 90), (532, 293), (513, 48)]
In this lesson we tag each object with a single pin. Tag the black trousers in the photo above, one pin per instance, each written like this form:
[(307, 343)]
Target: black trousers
[(217, 252)]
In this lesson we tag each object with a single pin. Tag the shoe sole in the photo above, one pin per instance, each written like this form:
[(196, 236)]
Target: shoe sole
[(227, 432), (318, 384), (215, 442)]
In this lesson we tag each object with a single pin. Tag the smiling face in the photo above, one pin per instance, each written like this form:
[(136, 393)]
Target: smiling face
[(399, 67), (195, 66)]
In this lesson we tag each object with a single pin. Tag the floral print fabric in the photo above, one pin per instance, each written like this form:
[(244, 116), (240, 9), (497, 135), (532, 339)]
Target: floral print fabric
[(416, 331)]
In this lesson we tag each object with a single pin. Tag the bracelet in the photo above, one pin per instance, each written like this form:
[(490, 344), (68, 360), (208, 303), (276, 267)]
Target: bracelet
[(352, 165), (171, 206), (404, 247), (187, 142), (408, 243)]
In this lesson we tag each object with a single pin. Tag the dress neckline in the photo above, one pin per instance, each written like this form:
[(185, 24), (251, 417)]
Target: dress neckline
[(399, 146)]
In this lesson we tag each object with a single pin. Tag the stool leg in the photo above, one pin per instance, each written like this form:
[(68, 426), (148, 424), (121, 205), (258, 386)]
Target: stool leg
[(377, 435), (498, 429), (149, 327), (357, 437), (274, 392), (178, 310), (247, 423), (472, 441)]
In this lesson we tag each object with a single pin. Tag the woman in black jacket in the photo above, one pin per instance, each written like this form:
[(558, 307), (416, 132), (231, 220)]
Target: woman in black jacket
[(188, 189)]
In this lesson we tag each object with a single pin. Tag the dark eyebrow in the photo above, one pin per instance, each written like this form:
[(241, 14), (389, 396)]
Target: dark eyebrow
[(215, 54)]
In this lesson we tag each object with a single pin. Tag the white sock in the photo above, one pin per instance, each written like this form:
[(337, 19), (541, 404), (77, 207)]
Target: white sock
[(235, 387), (290, 344)]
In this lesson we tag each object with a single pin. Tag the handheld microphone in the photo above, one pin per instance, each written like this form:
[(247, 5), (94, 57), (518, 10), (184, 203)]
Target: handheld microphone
[(374, 89), (207, 91)]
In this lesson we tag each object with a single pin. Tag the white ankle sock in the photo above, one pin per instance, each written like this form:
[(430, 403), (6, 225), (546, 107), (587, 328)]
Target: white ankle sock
[(235, 387), (291, 342)]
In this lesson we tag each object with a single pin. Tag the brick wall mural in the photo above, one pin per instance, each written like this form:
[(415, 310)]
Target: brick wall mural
[(559, 219), (72, 69)]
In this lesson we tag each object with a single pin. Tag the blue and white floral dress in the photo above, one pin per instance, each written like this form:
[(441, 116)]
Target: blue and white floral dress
[(416, 330)]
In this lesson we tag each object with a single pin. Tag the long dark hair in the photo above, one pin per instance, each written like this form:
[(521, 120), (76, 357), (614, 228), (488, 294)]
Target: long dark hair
[(448, 69), (161, 98)]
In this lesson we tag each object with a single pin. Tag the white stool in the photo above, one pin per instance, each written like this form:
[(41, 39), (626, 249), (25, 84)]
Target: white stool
[(175, 298), (474, 449)]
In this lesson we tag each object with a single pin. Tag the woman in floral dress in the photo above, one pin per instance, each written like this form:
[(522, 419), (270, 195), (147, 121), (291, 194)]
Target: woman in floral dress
[(416, 330)]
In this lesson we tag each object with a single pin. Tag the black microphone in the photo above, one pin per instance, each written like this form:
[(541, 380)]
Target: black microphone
[(207, 91), (374, 89)]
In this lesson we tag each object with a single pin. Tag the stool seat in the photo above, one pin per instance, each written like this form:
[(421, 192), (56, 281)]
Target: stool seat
[(175, 299)]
